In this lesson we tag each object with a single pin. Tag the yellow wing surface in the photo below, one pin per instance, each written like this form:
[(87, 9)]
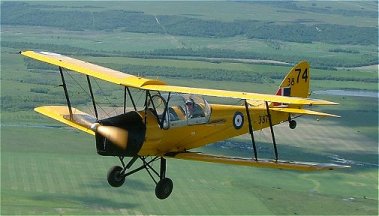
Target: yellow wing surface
[(80, 120), (90, 69), (264, 163), (128, 80), (237, 95), (303, 112)]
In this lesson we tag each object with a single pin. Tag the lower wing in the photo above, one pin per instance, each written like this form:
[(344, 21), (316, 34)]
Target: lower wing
[(264, 163), (79, 120), (302, 112)]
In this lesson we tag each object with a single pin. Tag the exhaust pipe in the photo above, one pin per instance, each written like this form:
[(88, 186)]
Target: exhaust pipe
[(116, 135)]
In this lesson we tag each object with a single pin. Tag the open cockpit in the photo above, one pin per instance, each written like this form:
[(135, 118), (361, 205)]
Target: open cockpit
[(175, 110)]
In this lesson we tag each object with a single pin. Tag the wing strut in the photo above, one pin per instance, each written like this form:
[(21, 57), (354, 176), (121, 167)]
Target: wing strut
[(251, 131), (272, 131), (146, 98), (161, 124), (131, 98), (124, 99), (92, 97), (66, 93)]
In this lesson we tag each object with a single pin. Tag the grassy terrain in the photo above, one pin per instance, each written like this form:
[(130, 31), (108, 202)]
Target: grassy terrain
[(132, 42), (73, 180), (47, 168), (229, 11)]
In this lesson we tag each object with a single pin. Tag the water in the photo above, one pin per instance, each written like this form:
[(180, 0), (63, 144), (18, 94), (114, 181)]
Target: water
[(354, 93)]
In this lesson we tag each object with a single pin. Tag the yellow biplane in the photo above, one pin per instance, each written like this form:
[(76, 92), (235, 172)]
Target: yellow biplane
[(176, 119)]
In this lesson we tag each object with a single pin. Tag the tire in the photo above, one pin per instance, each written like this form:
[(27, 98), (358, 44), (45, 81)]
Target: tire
[(292, 124), (164, 188), (115, 177)]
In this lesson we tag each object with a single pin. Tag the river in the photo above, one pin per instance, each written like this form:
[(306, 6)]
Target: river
[(355, 93)]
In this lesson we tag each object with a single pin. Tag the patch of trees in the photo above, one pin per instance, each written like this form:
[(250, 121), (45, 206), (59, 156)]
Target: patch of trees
[(203, 54), (293, 5), (19, 13), (317, 61), (222, 75), (195, 73), (340, 50), (40, 90), (27, 102), (62, 49)]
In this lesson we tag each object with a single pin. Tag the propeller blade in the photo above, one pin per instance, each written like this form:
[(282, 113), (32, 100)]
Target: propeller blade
[(116, 135)]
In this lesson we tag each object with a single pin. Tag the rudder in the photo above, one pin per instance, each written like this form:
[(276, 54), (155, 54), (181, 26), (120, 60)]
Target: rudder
[(297, 82)]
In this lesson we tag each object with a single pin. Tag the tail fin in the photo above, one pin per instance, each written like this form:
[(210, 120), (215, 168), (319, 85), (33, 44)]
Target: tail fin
[(296, 83)]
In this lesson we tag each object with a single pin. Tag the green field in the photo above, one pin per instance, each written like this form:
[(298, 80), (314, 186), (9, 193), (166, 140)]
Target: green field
[(50, 169), (53, 175), (333, 12)]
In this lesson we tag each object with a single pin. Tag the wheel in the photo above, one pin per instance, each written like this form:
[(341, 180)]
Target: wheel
[(164, 188), (115, 177), (292, 124)]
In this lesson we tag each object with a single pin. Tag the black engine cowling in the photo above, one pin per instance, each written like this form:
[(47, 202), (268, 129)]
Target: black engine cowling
[(132, 122)]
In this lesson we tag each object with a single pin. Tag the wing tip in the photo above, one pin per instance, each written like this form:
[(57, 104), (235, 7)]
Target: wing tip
[(321, 102)]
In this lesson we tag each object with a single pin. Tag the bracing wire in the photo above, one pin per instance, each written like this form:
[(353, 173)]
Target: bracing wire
[(78, 84), (107, 99), (86, 92)]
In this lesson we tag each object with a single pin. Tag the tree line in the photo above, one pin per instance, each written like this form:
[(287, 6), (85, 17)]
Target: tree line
[(317, 61), (21, 13), (203, 54)]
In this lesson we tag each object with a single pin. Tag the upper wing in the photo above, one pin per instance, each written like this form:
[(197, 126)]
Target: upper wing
[(128, 80), (265, 163), (87, 68), (238, 95)]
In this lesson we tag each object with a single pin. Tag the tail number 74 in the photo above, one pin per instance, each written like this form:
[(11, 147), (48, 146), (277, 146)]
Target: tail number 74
[(304, 76)]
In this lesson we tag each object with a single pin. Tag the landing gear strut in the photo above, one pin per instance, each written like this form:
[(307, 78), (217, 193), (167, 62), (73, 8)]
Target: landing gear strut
[(116, 175)]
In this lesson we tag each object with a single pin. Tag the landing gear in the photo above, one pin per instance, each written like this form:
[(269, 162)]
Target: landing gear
[(116, 175), (292, 124), (163, 188)]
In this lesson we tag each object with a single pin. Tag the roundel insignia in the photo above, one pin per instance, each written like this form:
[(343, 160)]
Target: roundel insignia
[(238, 120)]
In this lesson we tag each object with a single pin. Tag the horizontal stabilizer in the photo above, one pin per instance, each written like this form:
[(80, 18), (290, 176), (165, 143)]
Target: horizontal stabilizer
[(80, 120), (264, 163), (303, 112)]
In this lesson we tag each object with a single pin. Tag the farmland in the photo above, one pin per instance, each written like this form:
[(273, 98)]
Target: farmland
[(48, 168)]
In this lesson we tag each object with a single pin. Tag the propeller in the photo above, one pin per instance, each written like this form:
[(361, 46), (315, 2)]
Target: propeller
[(116, 135)]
